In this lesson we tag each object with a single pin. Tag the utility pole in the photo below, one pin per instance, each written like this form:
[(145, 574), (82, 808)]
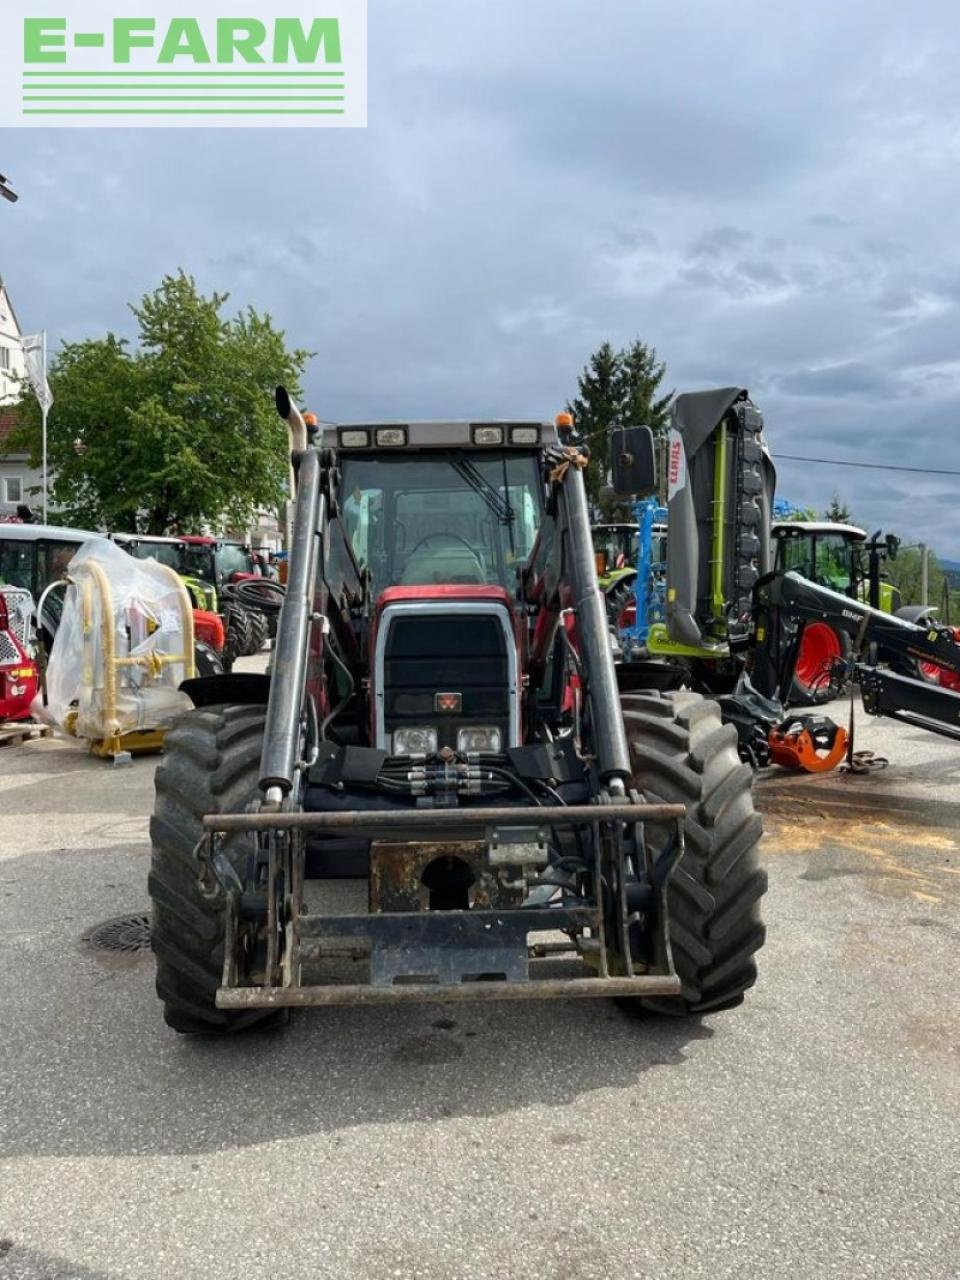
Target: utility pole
[(924, 574)]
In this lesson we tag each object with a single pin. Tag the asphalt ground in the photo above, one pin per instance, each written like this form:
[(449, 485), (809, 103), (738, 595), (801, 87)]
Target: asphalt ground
[(813, 1132)]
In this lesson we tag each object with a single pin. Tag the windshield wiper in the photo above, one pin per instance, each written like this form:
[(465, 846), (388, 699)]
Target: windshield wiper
[(478, 482)]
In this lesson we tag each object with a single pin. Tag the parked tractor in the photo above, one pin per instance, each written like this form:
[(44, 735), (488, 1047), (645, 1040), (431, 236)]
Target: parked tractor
[(443, 718), (210, 640), (219, 564), (629, 556)]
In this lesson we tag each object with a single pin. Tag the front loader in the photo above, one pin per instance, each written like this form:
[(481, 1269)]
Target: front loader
[(442, 720)]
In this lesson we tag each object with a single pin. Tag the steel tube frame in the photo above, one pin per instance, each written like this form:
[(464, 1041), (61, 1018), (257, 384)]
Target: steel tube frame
[(442, 819), (651, 984), (288, 682), (603, 693)]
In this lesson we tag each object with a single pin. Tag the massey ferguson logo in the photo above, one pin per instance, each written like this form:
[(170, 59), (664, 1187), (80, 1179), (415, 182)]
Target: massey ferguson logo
[(676, 465)]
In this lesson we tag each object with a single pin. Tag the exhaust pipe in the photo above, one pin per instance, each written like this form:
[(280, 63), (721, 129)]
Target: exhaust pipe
[(292, 416)]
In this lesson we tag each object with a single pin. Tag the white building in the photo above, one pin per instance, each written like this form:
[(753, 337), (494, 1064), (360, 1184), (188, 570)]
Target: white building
[(17, 479)]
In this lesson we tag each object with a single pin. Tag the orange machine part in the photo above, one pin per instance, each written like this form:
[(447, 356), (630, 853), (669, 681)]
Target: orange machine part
[(799, 751)]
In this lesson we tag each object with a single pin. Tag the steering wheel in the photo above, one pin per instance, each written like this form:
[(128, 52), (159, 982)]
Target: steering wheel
[(450, 537)]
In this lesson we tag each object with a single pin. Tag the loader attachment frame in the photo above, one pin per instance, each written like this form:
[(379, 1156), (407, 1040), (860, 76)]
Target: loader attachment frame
[(435, 956)]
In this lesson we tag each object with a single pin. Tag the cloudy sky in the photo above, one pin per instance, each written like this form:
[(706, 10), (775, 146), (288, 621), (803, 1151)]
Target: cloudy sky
[(767, 192)]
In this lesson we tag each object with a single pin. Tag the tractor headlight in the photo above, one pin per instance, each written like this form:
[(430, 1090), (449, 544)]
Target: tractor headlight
[(478, 738), (355, 439), (488, 435), (391, 435), (524, 435), (419, 740)]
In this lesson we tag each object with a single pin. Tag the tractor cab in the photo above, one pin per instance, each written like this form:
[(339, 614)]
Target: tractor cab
[(440, 518), (432, 512), (822, 552), (168, 551), (838, 556), (615, 549), (218, 560)]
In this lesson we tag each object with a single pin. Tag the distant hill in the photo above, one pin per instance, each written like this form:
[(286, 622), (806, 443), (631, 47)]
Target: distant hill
[(951, 571)]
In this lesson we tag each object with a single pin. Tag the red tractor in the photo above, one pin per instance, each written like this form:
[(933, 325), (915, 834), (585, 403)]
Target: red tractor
[(443, 712)]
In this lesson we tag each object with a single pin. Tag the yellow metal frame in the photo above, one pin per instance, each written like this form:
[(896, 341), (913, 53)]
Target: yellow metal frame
[(135, 740)]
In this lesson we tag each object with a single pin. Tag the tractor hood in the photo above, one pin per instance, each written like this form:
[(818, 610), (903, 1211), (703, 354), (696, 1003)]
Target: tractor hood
[(445, 667)]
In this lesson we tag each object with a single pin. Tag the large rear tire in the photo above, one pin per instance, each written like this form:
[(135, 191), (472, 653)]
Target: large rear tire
[(259, 628), (211, 764), (236, 625), (682, 753)]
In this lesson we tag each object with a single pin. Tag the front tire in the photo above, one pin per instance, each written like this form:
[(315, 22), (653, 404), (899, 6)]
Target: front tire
[(211, 764), (682, 753)]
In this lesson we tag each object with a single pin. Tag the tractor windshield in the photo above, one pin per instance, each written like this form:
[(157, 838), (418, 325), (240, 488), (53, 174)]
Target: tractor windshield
[(618, 544), (458, 517), (198, 561), (233, 558), (168, 553), (834, 559), (825, 558)]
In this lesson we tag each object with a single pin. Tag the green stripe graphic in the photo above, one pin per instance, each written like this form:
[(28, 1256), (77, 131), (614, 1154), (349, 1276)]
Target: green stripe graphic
[(186, 111), (184, 97)]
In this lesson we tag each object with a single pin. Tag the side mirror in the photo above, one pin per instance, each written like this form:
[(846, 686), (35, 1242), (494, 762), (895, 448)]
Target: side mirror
[(633, 465)]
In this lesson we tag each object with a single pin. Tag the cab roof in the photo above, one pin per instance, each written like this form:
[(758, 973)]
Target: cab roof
[(38, 532), (821, 527), (446, 433), (144, 537)]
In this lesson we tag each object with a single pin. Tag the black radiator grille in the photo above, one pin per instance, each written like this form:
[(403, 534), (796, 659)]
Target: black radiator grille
[(429, 654)]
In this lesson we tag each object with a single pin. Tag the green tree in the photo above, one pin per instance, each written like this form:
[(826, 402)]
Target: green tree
[(617, 387), (176, 433), (838, 512), (906, 574)]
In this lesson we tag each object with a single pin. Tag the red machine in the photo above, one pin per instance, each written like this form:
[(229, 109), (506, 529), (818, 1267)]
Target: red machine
[(19, 676)]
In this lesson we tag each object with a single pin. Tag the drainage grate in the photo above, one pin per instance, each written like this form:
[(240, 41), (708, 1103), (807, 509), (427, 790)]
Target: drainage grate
[(126, 934)]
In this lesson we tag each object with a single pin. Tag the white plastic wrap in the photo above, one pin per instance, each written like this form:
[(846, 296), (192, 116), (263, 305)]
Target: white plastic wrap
[(124, 644)]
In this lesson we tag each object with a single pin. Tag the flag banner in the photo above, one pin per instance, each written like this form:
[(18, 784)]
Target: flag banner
[(33, 355)]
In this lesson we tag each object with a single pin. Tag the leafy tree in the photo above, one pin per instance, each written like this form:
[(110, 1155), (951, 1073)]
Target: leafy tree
[(617, 387), (906, 574), (180, 431), (838, 512)]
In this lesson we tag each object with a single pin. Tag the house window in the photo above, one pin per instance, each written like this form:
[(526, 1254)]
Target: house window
[(4, 358), (12, 489)]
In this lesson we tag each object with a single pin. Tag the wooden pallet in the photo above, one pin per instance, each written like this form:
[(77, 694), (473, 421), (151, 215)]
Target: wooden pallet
[(17, 732)]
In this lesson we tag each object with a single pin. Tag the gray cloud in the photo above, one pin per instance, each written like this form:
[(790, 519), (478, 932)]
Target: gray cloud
[(764, 193)]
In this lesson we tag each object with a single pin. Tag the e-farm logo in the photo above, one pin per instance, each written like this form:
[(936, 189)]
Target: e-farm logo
[(226, 62)]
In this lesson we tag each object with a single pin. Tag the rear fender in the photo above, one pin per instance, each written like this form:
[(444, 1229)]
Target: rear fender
[(247, 688)]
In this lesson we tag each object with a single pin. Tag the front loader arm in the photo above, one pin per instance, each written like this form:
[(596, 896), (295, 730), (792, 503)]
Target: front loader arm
[(562, 575)]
